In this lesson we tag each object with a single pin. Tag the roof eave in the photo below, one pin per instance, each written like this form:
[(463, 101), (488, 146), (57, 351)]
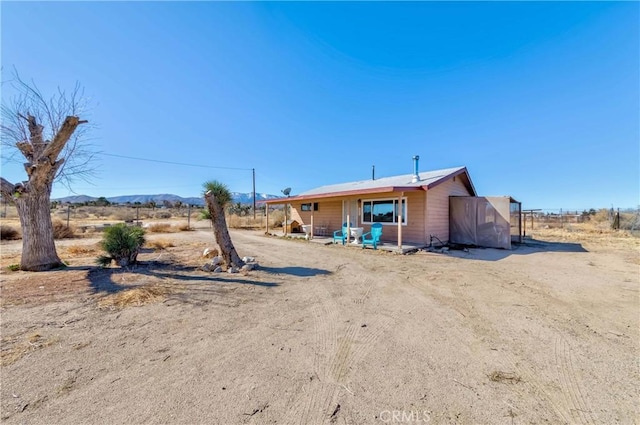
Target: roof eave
[(344, 194)]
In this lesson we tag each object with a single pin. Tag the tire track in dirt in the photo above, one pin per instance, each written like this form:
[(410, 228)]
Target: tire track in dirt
[(579, 409), (549, 403)]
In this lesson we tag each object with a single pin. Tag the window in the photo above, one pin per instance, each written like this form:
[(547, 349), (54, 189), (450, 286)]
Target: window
[(383, 211), (307, 207)]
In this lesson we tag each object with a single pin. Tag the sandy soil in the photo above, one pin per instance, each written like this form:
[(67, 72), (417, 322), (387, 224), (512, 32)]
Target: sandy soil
[(546, 333)]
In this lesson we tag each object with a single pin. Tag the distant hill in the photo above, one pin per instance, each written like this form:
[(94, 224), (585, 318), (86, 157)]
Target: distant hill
[(243, 198)]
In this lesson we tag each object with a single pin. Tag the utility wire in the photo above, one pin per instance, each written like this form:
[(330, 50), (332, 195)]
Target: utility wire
[(175, 163)]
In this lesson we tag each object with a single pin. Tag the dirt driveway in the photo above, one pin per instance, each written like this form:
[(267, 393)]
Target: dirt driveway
[(546, 333)]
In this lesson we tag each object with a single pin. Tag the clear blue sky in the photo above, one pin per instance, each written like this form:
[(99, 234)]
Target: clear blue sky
[(539, 100)]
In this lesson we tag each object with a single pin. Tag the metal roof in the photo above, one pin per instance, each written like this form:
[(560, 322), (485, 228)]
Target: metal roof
[(428, 180)]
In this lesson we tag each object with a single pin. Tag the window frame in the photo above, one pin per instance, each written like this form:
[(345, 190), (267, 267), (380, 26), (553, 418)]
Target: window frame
[(312, 206), (404, 201)]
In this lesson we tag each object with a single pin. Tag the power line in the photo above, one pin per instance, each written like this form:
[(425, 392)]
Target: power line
[(175, 163)]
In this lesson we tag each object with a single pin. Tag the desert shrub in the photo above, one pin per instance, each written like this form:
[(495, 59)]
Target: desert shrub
[(124, 214), (161, 228), (122, 244), (9, 233), (162, 214), (204, 214), (276, 218), (158, 244), (61, 231), (184, 227)]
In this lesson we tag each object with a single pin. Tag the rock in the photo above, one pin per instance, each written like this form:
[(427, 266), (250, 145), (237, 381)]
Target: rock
[(233, 269), (249, 259), (249, 266), (206, 267), (216, 261), (217, 270)]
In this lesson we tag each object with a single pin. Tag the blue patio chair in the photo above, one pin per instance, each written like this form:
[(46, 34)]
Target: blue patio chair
[(373, 237), (341, 234)]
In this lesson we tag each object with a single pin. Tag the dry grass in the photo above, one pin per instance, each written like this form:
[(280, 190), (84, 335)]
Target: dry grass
[(81, 250), (246, 222), (507, 377), (13, 348), (586, 232), (157, 244), (61, 231), (8, 233), (134, 297), (184, 227), (162, 228)]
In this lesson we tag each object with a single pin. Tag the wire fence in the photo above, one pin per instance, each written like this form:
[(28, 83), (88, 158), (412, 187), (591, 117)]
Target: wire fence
[(605, 218)]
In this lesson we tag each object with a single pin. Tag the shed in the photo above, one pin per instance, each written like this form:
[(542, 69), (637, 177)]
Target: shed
[(487, 221)]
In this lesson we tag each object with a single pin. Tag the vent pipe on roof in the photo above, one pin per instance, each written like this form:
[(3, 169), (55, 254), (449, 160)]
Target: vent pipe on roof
[(373, 172), (416, 176)]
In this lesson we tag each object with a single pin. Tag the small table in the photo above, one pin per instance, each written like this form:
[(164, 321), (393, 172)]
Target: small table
[(356, 232)]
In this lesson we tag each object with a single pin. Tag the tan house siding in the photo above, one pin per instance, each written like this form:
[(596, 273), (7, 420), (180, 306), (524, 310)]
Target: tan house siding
[(413, 232), (329, 214), (438, 207)]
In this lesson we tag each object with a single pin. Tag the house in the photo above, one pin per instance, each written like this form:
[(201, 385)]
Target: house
[(413, 208)]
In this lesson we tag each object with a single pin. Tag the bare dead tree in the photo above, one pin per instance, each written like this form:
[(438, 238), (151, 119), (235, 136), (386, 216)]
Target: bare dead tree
[(46, 132)]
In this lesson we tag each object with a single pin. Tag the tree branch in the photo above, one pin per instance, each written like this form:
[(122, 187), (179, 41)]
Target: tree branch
[(54, 148)]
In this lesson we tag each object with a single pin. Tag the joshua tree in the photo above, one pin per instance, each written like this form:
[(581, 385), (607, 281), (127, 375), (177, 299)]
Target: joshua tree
[(217, 196), (45, 132)]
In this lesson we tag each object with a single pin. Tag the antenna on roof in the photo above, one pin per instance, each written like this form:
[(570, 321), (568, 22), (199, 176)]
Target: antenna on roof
[(373, 172)]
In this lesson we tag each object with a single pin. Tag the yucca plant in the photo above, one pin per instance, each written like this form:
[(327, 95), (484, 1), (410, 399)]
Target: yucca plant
[(122, 244), (217, 197)]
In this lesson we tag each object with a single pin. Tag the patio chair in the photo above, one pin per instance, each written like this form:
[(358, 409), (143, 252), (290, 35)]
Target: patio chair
[(341, 234), (373, 237)]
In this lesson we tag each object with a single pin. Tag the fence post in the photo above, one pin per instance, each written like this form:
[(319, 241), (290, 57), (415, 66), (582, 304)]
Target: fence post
[(68, 214), (189, 216)]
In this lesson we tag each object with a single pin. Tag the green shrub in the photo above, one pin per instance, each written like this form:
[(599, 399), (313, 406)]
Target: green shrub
[(122, 244)]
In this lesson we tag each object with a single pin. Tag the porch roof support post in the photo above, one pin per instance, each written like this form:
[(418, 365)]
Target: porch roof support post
[(266, 213), (399, 218), (311, 234)]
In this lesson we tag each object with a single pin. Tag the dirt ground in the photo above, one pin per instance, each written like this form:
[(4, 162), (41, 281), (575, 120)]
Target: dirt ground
[(545, 333)]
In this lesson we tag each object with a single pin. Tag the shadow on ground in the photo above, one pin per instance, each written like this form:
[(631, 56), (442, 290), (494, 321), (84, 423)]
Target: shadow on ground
[(529, 246), (112, 280), (295, 271)]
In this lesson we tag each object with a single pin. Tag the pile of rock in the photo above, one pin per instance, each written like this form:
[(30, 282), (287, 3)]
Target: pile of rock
[(215, 265)]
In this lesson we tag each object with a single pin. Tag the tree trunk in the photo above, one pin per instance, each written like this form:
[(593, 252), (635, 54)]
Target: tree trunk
[(38, 246), (32, 198), (221, 233)]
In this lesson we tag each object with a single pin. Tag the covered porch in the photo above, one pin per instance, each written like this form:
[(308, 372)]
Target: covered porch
[(319, 216)]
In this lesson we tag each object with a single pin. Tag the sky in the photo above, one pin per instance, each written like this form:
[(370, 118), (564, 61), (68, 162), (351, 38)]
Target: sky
[(540, 100)]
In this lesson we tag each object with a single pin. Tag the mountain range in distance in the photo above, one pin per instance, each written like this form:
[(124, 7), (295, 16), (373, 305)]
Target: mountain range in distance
[(243, 198)]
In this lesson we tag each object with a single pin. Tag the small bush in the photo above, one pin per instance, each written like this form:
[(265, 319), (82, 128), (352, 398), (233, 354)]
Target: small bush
[(8, 233), (162, 214), (14, 267), (122, 244), (184, 227), (158, 244), (61, 231), (161, 228)]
